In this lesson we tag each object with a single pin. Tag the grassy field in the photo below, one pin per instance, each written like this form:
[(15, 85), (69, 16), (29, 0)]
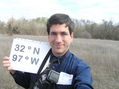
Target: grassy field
[(101, 55)]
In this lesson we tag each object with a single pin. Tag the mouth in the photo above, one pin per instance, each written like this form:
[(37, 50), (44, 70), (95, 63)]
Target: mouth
[(58, 46)]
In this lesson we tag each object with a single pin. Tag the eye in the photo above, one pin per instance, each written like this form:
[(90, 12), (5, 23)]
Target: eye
[(53, 33), (64, 33)]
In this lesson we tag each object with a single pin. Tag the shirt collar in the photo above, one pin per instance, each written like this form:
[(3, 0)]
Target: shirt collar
[(67, 54)]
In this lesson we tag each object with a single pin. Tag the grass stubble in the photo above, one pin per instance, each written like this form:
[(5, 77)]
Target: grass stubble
[(101, 55)]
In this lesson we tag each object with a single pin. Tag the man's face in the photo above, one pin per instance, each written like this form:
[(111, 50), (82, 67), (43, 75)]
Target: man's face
[(59, 39)]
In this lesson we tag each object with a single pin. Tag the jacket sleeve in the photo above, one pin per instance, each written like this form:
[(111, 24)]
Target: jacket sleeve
[(22, 78), (82, 76)]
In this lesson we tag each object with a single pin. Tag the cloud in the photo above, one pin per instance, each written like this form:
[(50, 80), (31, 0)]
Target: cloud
[(94, 10)]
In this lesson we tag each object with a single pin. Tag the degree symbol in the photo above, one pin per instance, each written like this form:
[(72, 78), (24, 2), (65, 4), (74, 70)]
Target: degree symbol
[(29, 47)]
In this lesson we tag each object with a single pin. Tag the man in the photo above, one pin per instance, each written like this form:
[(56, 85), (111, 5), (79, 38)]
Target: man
[(76, 72)]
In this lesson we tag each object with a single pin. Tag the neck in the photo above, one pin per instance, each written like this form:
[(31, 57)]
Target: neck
[(59, 54)]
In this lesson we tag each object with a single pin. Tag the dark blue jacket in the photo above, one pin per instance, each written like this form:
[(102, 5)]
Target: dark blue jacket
[(82, 78)]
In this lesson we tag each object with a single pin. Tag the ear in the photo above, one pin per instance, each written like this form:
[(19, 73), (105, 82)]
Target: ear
[(72, 36), (48, 37)]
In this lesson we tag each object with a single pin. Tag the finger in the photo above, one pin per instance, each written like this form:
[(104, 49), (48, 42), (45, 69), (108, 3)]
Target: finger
[(6, 62), (10, 68), (6, 65), (6, 58)]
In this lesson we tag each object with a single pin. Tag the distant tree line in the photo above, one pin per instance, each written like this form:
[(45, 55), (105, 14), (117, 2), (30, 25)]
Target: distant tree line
[(83, 28)]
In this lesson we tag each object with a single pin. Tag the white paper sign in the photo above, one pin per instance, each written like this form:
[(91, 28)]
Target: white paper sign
[(27, 55)]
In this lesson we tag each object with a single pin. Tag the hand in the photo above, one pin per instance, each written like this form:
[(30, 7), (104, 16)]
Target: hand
[(7, 64)]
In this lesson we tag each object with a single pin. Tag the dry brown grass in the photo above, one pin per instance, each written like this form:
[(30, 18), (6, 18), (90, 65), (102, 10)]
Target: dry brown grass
[(101, 55)]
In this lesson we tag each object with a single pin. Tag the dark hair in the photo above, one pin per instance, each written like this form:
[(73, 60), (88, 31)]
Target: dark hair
[(60, 19)]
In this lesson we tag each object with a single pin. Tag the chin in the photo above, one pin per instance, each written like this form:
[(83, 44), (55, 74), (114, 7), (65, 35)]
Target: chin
[(59, 52)]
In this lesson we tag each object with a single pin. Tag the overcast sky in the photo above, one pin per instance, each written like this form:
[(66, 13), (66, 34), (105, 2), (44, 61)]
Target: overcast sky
[(93, 10)]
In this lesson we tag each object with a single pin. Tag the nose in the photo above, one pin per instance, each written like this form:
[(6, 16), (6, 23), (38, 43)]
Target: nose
[(58, 39)]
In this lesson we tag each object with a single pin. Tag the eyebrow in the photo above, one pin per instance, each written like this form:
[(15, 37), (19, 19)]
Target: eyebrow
[(60, 32)]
